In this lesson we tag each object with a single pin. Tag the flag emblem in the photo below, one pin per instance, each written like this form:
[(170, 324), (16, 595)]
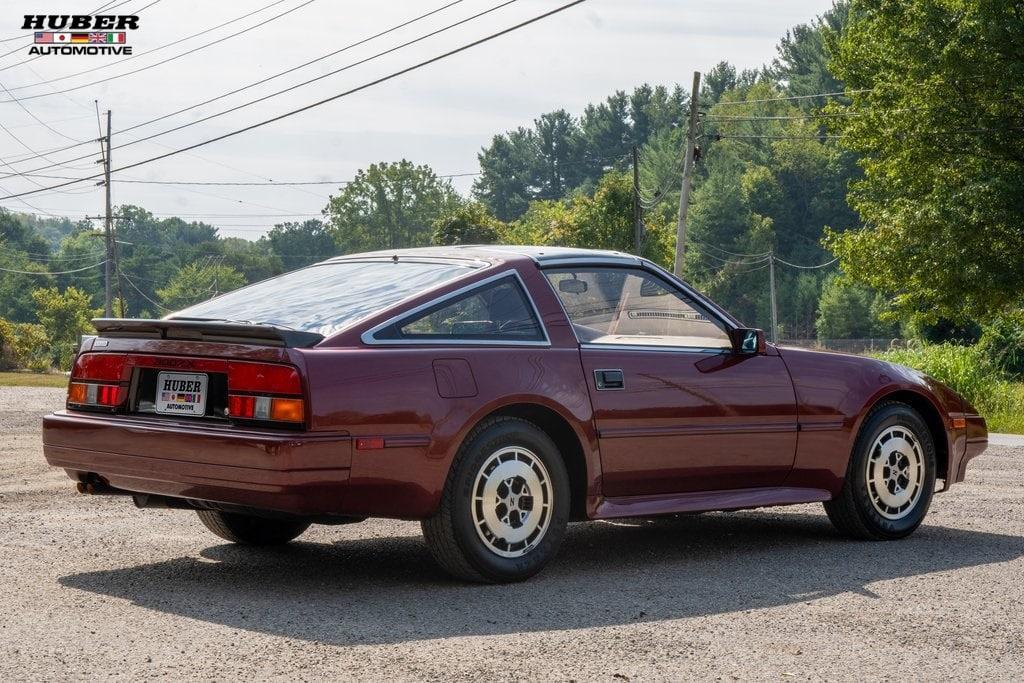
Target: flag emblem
[(49, 38)]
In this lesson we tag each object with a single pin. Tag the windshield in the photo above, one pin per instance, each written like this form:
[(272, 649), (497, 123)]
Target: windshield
[(327, 297)]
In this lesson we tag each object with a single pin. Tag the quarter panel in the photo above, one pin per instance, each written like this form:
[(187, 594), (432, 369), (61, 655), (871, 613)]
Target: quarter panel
[(392, 393)]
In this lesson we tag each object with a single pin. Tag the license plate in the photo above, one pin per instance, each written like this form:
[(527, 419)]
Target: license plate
[(181, 393)]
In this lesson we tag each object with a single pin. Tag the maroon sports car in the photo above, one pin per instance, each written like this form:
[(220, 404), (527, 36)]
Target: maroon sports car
[(495, 393)]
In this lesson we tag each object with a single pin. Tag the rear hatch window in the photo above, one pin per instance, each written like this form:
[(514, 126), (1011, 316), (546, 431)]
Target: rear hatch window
[(327, 297)]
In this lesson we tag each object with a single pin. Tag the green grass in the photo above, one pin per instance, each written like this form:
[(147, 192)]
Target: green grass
[(32, 379), (971, 373)]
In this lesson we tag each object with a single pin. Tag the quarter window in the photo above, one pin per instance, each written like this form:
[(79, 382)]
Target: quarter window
[(626, 306), (498, 311)]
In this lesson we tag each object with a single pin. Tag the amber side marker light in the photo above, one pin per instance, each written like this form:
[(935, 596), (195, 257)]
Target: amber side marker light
[(959, 422)]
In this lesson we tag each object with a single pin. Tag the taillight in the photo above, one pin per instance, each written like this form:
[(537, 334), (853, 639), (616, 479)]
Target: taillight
[(96, 381), (249, 386)]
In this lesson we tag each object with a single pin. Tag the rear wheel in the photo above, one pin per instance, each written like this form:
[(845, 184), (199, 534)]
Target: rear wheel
[(251, 530), (890, 479), (505, 504)]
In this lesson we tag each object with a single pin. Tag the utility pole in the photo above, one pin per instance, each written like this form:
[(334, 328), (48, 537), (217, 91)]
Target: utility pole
[(638, 217), (684, 195), (108, 305), (771, 285)]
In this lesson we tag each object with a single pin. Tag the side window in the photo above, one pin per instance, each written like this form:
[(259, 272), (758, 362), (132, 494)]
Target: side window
[(498, 311), (629, 306)]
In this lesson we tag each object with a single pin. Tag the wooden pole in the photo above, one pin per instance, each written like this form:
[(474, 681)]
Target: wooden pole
[(684, 195)]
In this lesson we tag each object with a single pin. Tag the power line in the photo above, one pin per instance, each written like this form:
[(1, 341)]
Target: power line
[(927, 133), (775, 137), (300, 66), (309, 81), (751, 270), (763, 259), (792, 97), (141, 293), (364, 86), (279, 92), (39, 120), (730, 253), (820, 265), (242, 183), (63, 272)]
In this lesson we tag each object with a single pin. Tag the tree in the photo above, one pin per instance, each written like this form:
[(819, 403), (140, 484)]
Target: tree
[(78, 249), (803, 54), (300, 244), (154, 251), (470, 223), (562, 154), (937, 87), (65, 317), (558, 165), (255, 260), (198, 282), (507, 173), (716, 82), (607, 134), (388, 206), (603, 220), (850, 311)]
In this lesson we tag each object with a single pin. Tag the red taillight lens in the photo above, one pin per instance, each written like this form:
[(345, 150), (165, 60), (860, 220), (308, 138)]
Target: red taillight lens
[(263, 378), (104, 372), (109, 367), (241, 406), (83, 394)]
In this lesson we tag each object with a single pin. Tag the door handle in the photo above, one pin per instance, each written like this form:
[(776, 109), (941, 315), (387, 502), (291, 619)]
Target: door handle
[(607, 380)]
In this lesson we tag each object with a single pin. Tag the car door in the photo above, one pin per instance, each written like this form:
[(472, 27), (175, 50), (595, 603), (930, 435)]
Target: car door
[(676, 410)]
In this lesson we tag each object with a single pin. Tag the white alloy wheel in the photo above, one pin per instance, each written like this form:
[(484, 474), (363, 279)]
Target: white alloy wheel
[(512, 500), (895, 472)]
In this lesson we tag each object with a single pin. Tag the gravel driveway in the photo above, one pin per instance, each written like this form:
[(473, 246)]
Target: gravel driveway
[(95, 587)]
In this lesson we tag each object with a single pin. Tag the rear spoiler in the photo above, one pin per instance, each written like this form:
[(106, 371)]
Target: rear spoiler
[(206, 330)]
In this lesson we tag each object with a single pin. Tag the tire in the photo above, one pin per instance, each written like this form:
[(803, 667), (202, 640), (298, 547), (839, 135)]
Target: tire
[(517, 525), (250, 530), (889, 483)]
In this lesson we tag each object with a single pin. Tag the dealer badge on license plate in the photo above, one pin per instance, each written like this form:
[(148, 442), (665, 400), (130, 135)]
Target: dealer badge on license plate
[(181, 393)]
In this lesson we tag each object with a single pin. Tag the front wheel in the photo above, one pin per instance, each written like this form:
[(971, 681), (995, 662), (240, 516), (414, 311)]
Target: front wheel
[(890, 479), (251, 530), (505, 504)]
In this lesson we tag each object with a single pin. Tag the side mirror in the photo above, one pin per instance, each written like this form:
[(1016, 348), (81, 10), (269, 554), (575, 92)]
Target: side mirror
[(747, 340)]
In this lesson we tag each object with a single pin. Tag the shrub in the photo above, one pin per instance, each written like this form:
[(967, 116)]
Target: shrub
[(7, 359), (65, 316), (1003, 341), (31, 347)]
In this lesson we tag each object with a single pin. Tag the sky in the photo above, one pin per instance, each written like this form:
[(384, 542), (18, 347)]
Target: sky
[(441, 115)]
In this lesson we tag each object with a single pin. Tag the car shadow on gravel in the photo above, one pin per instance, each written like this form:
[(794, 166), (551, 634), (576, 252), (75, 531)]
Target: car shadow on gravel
[(388, 590)]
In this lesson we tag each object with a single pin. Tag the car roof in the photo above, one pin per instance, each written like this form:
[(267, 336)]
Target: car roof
[(489, 253)]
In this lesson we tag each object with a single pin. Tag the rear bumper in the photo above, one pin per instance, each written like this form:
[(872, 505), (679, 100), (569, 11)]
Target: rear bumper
[(295, 473)]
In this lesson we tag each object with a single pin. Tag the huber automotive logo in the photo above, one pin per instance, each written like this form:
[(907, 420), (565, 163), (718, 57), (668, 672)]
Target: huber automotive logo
[(80, 34)]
